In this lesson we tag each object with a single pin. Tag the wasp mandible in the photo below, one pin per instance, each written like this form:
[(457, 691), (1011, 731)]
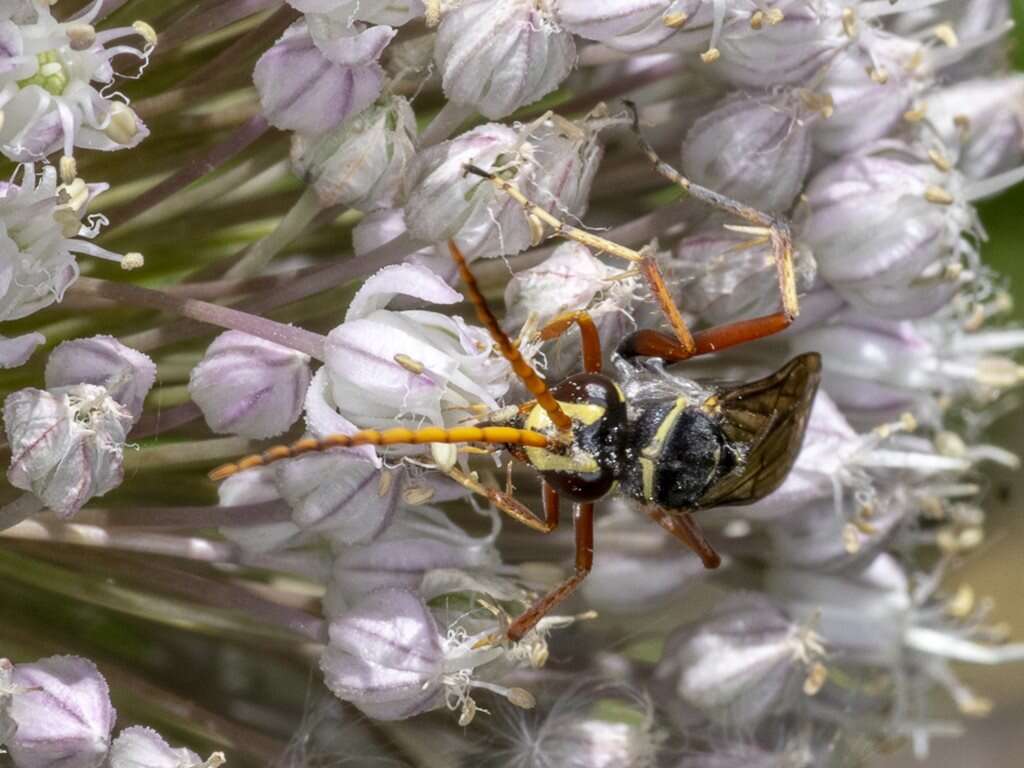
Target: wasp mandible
[(673, 446)]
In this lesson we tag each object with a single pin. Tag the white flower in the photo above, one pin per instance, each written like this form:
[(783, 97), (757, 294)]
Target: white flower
[(54, 78), (499, 55), (393, 12), (125, 373), (360, 163), (66, 445), (411, 365), (41, 232), (248, 386), (63, 714), (141, 747), (320, 72)]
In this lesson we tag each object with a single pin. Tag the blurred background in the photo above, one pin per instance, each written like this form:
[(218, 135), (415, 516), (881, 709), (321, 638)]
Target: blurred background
[(996, 569)]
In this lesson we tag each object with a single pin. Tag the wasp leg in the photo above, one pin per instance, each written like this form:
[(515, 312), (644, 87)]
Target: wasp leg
[(685, 528), (510, 505), (583, 525), (766, 227), (589, 339), (651, 343)]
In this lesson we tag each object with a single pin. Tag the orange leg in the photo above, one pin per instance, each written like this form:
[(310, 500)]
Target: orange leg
[(650, 343), (686, 529), (589, 338), (583, 525)]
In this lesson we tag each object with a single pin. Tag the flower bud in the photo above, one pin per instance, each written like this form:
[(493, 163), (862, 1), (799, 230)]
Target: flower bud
[(572, 278), (320, 72), (385, 656), (141, 747), (891, 231), (723, 278), (257, 486), (871, 88), (626, 25), (63, 714), (7, 691), (499, 55), (754, 149), (16, 351), (125, 373), (380, 227), (360, 163), (552, 160), (66, 445), (423, 539), (245, 385), (393, 12), (737, 665), (992, 140), (420, 365), (343, 496), (791, 42)]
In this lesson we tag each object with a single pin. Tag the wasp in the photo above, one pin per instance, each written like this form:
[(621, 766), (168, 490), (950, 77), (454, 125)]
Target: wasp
[(673, 446)]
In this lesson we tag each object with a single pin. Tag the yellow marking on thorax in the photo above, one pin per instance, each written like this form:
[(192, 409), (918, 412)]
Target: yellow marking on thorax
[(573, 461), (650, 452)]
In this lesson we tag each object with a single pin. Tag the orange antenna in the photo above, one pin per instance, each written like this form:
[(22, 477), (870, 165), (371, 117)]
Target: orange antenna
[(394, 436), (509, 351)]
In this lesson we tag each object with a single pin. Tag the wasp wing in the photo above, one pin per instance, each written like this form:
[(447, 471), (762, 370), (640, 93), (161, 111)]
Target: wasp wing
[(767, 420)]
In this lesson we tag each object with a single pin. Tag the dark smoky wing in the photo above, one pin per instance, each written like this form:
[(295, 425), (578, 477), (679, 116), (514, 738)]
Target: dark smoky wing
[(766, 420)]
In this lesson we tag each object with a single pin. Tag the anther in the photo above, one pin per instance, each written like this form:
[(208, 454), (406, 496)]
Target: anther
[(122, 126), (81, 37), (938, 195), (946, 35), (410, 364), (674, 20), (849, 22), (146, 32), (939, 160), (68, 169), (132, 260), (711, 55)]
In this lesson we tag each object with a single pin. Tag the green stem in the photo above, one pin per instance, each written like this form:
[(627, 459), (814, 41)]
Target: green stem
[(294, 223)]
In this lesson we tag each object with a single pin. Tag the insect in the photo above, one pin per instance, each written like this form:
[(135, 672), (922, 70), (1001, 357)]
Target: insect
[(673, 446)]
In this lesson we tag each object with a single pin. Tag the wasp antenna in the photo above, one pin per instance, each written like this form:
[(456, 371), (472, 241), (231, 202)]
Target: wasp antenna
[(393, 436), (509, 351)]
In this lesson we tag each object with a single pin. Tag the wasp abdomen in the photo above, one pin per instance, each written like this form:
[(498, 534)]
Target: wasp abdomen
[(678, 452)]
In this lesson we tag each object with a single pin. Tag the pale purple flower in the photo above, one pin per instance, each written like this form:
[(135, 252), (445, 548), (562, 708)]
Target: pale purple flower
[(551, 159), (420, 540), (67, 445), (627, 25), (385, 365), (17, 350), (62, 712), (41, 233), (756, 149), (891, 230), (141, 747), (322, 71), (740, 662), (386, 656), (360, 163), (393, 12), (499, 55), (722, 276), (983, 120), (125, 373), (54, 82), (248, 386)]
